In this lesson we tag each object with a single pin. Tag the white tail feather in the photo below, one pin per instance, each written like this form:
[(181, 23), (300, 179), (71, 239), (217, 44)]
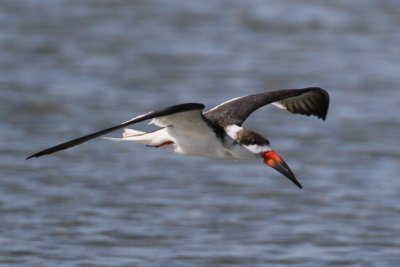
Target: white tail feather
[(138, 137), (131, 132)]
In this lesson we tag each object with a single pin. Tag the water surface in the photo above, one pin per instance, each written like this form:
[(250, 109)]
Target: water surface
[(71, 67)]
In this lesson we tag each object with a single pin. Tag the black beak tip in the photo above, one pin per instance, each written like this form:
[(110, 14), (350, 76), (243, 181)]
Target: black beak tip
[(292, 178), (284, 169), (297, 183)]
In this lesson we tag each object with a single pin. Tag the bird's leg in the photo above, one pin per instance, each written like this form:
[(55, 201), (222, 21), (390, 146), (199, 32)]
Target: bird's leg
[(162, 144)]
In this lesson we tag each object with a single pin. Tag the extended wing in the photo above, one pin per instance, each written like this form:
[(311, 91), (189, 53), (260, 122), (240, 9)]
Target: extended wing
[(158, 115), (307, 101)]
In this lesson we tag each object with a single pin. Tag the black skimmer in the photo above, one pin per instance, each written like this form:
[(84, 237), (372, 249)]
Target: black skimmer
[(218, 132)]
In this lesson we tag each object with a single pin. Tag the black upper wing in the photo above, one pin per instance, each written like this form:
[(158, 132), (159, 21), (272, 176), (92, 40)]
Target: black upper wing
[(307, 101), (151, 115)]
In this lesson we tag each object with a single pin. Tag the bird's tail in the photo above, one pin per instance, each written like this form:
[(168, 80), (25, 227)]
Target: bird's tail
[(131, 132), (153, 139), (132, 135)]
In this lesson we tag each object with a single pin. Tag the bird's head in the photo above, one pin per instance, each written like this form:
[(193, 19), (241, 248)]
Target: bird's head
[(260, 147)]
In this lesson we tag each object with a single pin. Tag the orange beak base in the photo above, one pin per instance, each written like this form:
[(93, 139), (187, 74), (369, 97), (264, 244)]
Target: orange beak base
[(272, 159)]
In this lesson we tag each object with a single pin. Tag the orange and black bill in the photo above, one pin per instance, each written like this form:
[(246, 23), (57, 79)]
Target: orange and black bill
[(272, 159)]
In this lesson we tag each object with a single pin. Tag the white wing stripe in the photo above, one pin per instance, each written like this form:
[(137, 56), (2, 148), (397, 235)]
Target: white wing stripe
[(279, 105), (137, 117), (226, 102)]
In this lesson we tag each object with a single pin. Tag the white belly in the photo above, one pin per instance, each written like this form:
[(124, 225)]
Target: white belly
[(206, 144), (202, 143)]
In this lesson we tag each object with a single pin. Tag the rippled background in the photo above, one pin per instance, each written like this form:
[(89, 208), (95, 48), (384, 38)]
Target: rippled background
[(68, 68)]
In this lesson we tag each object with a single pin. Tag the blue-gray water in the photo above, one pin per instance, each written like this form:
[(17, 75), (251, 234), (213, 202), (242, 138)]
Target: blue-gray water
[(68, 68)]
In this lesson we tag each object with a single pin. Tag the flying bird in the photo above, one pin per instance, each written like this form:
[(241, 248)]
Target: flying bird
[(218, 132)]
